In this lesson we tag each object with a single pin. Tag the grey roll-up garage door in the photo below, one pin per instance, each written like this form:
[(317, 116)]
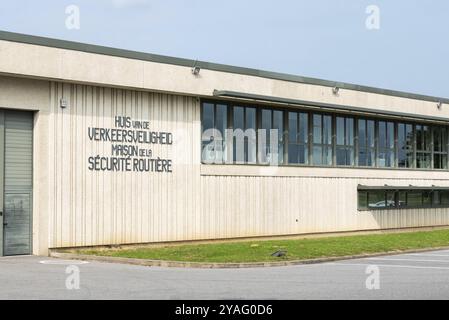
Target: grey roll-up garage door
[(18, 182)]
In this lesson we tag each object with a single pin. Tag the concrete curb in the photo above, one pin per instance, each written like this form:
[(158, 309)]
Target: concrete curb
[(212, 265)]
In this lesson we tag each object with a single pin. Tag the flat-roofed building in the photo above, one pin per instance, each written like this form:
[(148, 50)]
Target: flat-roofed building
[(102, 146)]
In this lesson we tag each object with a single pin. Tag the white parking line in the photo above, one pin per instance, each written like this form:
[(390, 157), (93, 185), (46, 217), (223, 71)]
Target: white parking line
[(410, 260), (391, 265), (63, 262), (427, 255)]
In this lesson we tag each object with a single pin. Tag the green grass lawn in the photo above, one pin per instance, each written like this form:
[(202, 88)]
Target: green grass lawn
[(297, 249)]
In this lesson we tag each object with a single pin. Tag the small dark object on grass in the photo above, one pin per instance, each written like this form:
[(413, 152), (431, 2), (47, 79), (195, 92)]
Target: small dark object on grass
[(279, 253)]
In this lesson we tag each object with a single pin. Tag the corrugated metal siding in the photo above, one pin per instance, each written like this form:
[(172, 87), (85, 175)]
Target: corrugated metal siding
[(18, 182), (95, 208), (263, 205), (122, 207)]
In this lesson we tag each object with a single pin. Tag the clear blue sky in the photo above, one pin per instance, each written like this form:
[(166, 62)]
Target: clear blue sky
[(325, 39)]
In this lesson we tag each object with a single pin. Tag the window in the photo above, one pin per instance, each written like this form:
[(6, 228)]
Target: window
[(322, 139), (362, 203), (244, 135), (439, 148), (423, 150), (405, 145), (391, 199), (298, 137), (444, 198), (372, 198), (376, 199), (402, 199), (214, 124), (366, 143), (248, 134), (271, 144), (441, 198), (345, 141), (414, 199), (385, 143)]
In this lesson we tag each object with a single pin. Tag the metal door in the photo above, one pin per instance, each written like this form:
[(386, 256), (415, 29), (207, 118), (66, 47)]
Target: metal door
[(16, 149)]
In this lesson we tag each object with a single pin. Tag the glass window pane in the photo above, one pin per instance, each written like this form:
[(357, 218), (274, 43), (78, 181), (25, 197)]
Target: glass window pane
[(405, 145), (207, 134), (238, 144), (251, 118), (426, 138), (370, 133), (362, 158), (238, 118), (327, 156), (341, 156), (422, 138), (293, 153), (327, 129), (317, 128), (440, 161), (345, 141), (221, 119), (391, 199), (362, 133), (414, 199), (376, 199), (266, 119), (382, 134), (264, 134), (340, 131), (436, 198), (390, 135), (423, 160), (298, 138), (251, 142), (303, 128), (427, 198), (350, 131), (292, 127), (278, 135), (362, 200), (402, 199), (322, 139), (317, 155), (208, 116), (303, 154), (444, 197), (221, 123)]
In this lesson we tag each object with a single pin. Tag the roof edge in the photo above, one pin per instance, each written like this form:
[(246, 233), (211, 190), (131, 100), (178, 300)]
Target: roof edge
[(90, 48)]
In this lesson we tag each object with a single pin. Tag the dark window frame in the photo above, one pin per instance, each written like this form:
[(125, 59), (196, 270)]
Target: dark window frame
[(310, 144), (328, 146), (397, 191), (347, 146), (298, 143)]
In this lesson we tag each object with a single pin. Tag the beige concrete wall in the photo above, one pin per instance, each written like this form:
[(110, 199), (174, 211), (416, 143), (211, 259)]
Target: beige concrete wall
[(74, 66), (77, 207)]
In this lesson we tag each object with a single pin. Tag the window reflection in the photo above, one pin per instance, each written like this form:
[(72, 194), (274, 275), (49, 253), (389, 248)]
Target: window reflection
[(322, 139), (246, 134), (378, 199)]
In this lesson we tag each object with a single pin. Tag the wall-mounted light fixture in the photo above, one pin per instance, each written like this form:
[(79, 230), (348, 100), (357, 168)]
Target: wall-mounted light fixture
[(196, 69), (335, 90), (63, 103)]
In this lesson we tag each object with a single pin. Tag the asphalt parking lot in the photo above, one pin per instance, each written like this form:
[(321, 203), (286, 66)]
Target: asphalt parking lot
[(405, 276)]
